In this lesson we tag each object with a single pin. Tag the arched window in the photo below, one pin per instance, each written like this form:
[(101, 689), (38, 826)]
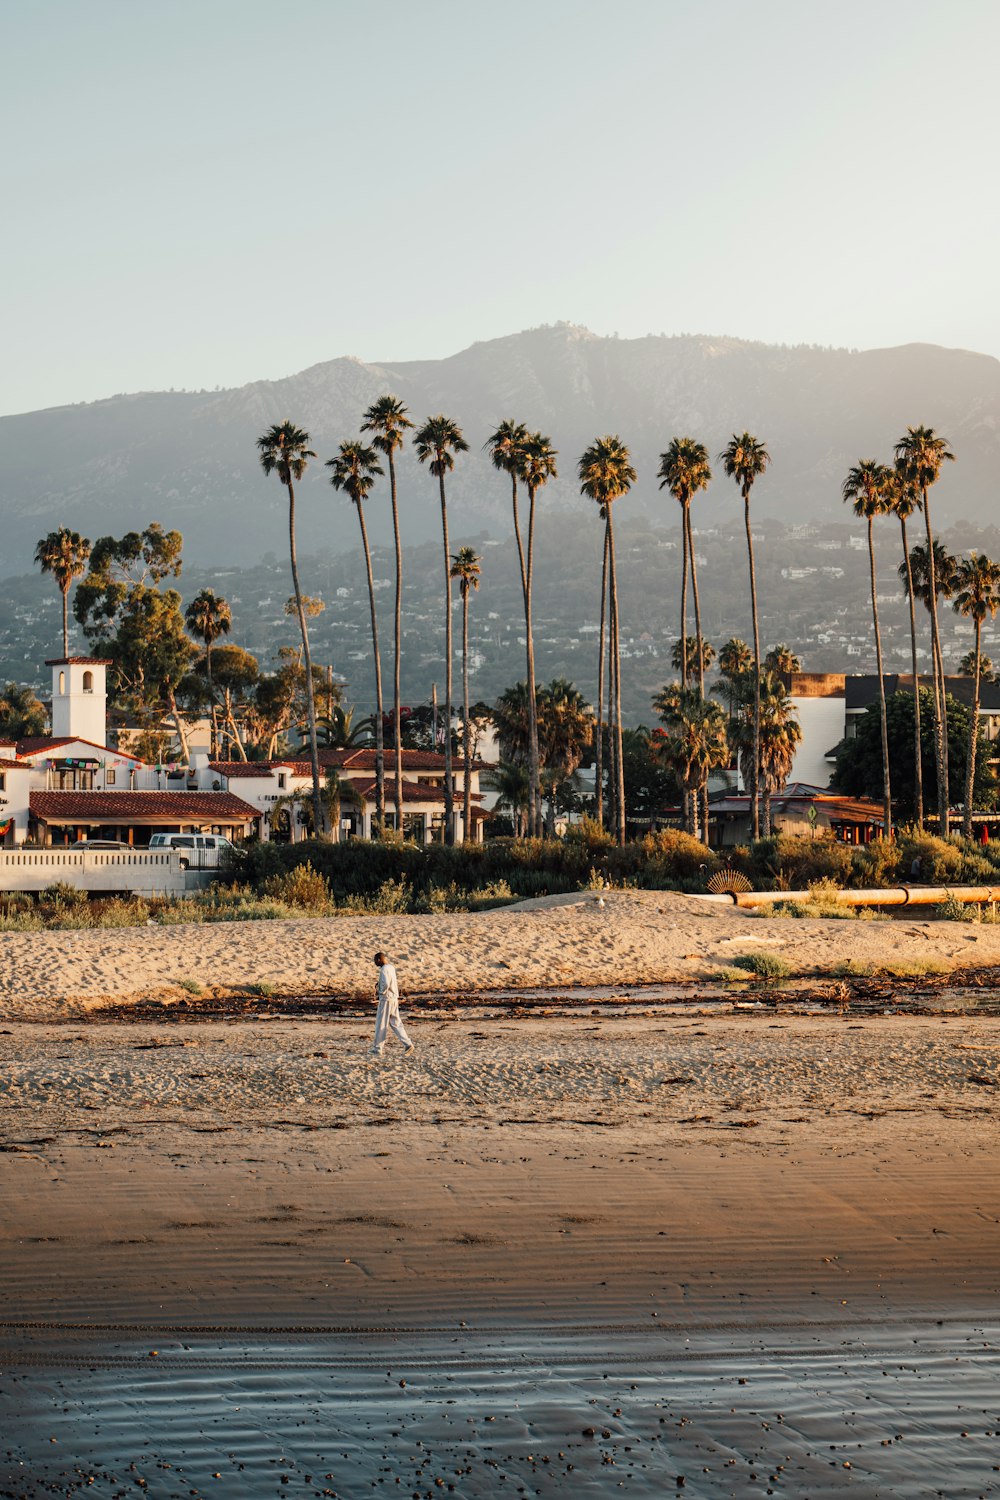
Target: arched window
[(88, 682), (62, 682)]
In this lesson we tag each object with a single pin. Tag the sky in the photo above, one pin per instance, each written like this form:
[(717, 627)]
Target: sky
[(202, 193)]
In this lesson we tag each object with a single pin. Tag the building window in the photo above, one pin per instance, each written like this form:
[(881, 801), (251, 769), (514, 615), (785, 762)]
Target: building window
[(3, 781), (281, 781), (88, 682), (109, 778), (62, 682)]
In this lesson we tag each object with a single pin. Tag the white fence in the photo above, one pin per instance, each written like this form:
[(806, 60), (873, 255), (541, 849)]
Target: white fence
[(143, 872)]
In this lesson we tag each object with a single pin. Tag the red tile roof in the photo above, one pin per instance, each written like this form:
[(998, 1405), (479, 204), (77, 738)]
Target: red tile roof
[(14, 765), (231, 768), (79, 661), (413, 760), (43, 744), (140, 807), (413, 791)]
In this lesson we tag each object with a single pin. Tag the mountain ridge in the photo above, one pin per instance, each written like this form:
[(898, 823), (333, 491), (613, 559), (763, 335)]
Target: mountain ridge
[(188, 458)]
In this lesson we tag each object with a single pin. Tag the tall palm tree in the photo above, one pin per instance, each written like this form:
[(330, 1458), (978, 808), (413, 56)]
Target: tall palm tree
[(867, 489), (465, 567), (779, 736), (566, 730), (353, 471), (538, 466), (506, 449), (64, 554), (745, 459), (920, 455), (695, 741), (388, 420), (735, 661), (208, 616), (437, 442), (606, 474), (977, 596), (782, 658), (284, 450), (599, 736), (904, 499), (684, 470)]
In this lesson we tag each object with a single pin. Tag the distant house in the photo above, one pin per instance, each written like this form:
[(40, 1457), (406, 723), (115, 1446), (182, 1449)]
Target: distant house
[(800, 810)]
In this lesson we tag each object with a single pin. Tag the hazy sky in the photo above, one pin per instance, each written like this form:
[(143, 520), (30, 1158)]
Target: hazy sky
[(206, 192)]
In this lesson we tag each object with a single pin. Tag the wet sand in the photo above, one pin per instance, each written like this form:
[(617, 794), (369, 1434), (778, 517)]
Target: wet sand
[(219, 1238)]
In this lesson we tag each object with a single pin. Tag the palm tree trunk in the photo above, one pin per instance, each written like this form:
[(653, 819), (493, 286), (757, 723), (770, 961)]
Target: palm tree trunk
[(534, 771), (65, 613), (599, 742), (449, 788), (940, 691), (755, 762), (918, 763), (687, 816), (886, 792), (396, 716), (466, 742), (318, 819), (970, 759), (379, 722), (617, 685), (701, 660), (234, 731)]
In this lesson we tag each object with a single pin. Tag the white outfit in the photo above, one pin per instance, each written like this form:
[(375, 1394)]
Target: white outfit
[(387, 1017)]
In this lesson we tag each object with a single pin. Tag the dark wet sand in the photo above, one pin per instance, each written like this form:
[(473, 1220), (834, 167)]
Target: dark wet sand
[(806, 1305)]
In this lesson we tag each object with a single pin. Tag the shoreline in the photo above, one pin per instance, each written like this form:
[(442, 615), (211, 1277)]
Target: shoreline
[(626, 938)]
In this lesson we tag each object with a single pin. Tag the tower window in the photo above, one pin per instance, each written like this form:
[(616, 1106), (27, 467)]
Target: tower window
[(88, 682), (62, 682)]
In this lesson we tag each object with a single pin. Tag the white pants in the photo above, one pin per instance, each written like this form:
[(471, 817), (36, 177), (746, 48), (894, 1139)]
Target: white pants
[(388, 1019)]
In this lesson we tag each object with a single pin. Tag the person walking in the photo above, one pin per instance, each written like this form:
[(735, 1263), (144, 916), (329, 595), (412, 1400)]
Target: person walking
[(387, 1016)]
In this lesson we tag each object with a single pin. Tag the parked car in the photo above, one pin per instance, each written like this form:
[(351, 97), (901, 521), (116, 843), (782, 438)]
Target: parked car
[(198, 851), (100, 844)]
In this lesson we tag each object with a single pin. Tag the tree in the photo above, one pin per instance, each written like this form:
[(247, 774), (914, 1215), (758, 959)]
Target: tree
[(565, 732), (353, 471), (388, 420), (971, 664), (866, 488), (745, 459), (684, 470), (235, 672), (138, 627), (782, 658), (651, 787), (437, 442), (859, 760), (510, 780), (537, 467), (606, 474), (465, 567), (208, 616), (919, 457), (695, 660), (64, 554), (694, 743), (977, 597), (22, 717), (904, 498), (284, 450), (735, 663), (778, 739)]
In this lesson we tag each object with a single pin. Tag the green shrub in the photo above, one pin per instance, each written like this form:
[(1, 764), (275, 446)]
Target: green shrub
[(302, 886), (671, 856), (764, 965), (121, 913), (788, 862), (62, 894), (953, 910)]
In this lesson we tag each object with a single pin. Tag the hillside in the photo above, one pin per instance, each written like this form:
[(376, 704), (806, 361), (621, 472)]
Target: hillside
[(188, 459)]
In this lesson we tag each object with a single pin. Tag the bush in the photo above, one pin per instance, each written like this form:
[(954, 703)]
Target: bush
[(61, 894), (764, 965), (953, 910), (302, 886), (672, 856), (788, 862)]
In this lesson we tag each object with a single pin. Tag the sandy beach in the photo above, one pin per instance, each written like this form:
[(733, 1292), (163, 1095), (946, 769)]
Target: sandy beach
[(633, 937), (558, 1256)]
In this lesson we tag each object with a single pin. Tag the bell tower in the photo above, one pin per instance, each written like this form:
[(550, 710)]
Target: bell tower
[(80, 698)]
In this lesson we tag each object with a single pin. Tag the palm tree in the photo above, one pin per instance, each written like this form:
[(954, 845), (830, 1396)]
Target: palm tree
[(695, 741), (388, 420), (606, 473), (599, 737), (690, 657), (64, 554), (353, 471), (735, 661), (566, 730), (744, 459), (972, 662), (684, 470), (510, 780), (782, 658), (867, 489), (465, 567), (919, 456), (977, 596), (780, 733), (537, 467), (904, 499), (208, 616), (437, 442)]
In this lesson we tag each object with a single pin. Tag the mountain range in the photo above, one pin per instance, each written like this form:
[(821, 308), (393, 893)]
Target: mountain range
[(188, 459)]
